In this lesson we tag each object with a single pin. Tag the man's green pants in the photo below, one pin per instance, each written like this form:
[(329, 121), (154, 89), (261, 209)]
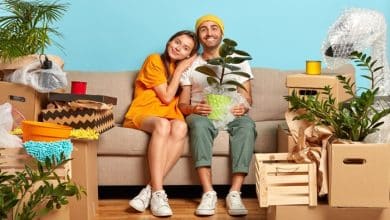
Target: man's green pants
[(242, 135)]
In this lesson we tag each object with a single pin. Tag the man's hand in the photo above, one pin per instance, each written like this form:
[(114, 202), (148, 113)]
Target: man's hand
[(239, 110), (202, 109)]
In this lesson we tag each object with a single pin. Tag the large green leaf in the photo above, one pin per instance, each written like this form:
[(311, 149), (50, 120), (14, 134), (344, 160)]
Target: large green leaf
[(230, 42), (234, 83), (206, 70), (232, 67), (237, 60), (241, 53), (212, 81), (244, 74)]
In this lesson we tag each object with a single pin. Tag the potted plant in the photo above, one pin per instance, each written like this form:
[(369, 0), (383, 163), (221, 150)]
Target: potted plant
[(216, 70), (34, 192), (353, 120), (26, 28)]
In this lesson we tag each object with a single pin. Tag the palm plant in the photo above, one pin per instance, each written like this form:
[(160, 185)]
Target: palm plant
[(353, 120), (26, 27)]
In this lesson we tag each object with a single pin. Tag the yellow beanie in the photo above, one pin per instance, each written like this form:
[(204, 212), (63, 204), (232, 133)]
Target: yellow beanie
[(209, 17)]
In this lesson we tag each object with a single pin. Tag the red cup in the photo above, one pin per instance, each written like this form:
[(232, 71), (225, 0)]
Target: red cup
[(79, 87)]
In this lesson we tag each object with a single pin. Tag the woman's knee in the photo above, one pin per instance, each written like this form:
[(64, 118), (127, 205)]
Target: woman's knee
[(178, 129), (162, 127)]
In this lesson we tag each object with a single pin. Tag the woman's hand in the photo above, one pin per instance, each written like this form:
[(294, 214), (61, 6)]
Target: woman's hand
[(183, 65)]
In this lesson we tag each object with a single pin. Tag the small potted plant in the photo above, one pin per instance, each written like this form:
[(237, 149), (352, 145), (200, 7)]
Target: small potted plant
[(26, 30), (353, 120), (216, 70)]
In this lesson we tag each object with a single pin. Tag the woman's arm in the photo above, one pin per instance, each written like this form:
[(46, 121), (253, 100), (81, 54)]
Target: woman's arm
[(166, 92)]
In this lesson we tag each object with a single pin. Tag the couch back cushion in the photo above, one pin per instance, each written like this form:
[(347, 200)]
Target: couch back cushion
[(116, 84), (268, 89)]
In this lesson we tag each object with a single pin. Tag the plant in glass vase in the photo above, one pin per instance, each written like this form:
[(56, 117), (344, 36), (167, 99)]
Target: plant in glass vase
[(216, 70), (353, 120)]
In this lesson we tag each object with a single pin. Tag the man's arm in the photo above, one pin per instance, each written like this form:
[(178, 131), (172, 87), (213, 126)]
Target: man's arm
[(185, 106), (185, 100)]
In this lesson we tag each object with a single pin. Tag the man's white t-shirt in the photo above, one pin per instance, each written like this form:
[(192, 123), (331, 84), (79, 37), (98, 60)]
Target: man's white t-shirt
[(198, 80)]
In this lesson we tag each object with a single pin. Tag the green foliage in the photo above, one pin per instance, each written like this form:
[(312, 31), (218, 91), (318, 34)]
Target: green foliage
[(353, 120), (225, 61), (35, 192), (26, 29)]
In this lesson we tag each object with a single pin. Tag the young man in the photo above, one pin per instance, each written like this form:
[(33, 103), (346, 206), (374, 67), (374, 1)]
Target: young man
[(202, 131)]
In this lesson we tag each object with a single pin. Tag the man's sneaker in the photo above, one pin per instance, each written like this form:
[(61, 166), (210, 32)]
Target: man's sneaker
[(234, 204), (159, 204), (142, 200), (207, 205)]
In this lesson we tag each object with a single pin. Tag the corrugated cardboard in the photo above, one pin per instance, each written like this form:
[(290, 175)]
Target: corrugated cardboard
[(24, 98), (98, 120), (22, 61), (285, 140), (305, 84), (13, 160), (85, 159), (325, 212), (359, 175)]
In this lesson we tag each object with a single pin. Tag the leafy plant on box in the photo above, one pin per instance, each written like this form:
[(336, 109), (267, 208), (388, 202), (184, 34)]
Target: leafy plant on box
[(228, 56), (33, 193), (26, 28), (352, 120)]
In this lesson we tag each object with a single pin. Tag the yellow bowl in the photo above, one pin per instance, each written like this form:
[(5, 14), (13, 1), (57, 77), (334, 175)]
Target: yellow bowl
[(44, 131)]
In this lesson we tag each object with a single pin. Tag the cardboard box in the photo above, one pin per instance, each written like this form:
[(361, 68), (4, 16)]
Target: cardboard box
[(325, 212), (13, 160), (305, 84), (285, 141), (281, 183), (67, 97), (359, 175), (23, 98), (98, 120)]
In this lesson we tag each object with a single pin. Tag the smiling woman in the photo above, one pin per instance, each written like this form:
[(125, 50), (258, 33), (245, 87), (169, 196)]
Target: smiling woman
[(154, 110)]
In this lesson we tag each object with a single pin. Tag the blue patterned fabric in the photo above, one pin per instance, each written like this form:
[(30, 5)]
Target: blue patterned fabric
[(41, 150)]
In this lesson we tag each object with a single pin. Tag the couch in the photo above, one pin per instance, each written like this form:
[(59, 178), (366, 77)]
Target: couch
[(121, 151)]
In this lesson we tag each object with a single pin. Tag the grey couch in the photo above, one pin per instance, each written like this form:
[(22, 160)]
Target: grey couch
[(121, 151)]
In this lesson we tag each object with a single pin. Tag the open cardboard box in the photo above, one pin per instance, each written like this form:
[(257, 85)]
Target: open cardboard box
[(359, 175)]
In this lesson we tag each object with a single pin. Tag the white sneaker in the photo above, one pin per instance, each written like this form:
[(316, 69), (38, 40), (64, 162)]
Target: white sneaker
[(142, 200), (234, 204), (159, 204), (207, 204)]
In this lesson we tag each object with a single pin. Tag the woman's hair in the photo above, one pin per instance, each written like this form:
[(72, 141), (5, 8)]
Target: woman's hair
[(165, 57)]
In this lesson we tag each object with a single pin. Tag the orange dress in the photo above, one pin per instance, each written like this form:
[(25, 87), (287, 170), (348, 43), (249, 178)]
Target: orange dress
[(146, 102)]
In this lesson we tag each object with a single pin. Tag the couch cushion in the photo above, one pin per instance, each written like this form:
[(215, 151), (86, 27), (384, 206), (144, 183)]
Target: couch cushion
[(120, 141)]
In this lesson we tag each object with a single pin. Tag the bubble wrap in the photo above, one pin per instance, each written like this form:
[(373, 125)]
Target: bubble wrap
[(358, 29), (236, 99), (383, 135)]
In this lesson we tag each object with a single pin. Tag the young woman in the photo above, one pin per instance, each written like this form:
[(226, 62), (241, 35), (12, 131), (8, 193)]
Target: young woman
[(155, 110)]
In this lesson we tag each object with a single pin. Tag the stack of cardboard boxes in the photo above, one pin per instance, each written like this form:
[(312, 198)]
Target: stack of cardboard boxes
[(359, 173)]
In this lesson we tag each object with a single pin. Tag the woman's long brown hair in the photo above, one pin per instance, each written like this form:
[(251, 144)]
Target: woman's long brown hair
[(165, 56)]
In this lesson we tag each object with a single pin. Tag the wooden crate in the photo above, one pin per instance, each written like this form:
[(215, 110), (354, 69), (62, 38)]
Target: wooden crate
[(13, 160), (281, 183)]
